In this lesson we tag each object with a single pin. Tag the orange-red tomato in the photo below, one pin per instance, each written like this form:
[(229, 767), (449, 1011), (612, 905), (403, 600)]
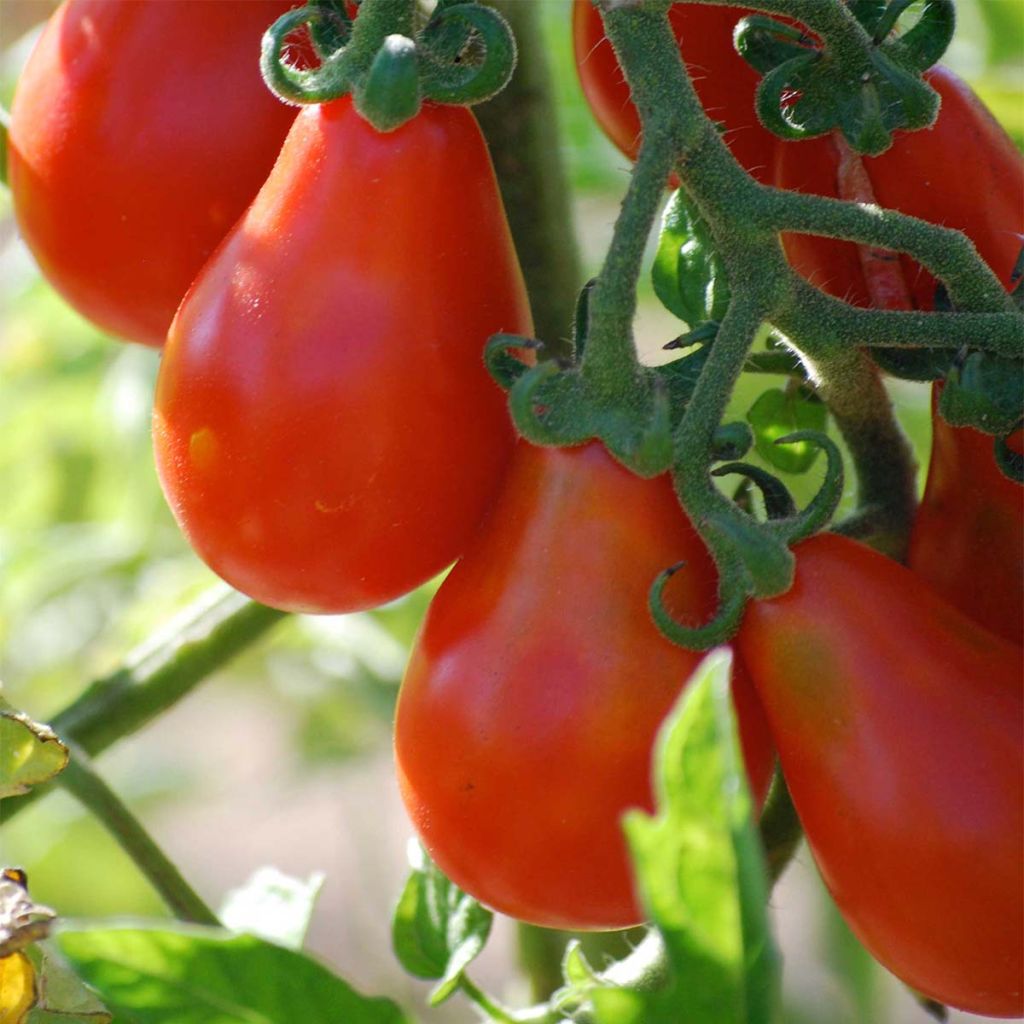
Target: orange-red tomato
[(899, 728), (968, 536), (326, 432), (528, 711), (139, 134), (725, 83)]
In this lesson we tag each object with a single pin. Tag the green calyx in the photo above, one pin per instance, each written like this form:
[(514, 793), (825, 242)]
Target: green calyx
[(864, 84), (564, 403), (388, 58)]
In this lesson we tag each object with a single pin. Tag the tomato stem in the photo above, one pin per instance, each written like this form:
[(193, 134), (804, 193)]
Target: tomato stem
[(521, 127), (82, 781), (156, 676)]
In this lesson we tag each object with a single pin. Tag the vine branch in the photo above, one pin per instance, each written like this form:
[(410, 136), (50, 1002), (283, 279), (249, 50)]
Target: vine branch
[(82, 781)]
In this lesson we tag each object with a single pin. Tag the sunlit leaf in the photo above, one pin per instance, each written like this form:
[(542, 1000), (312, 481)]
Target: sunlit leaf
[(62, 996), (700, 869), (688, 276), (204, 976), (274, 906), (30, 753), (778, 413), (437, 928)]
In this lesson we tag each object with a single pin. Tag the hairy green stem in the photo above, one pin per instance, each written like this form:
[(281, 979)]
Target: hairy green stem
[(521, 128), (887, 496), (81, 780), (610, 356), (493, 1010), (156, 676), (948, 254)]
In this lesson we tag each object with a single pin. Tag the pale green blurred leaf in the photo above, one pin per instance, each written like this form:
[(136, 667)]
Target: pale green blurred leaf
[(203, 976), (273, 906), (700, 868), (62, 996), (437, 929), (30, 753)]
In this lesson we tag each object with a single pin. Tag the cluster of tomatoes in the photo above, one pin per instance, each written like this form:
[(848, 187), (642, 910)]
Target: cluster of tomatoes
[(328, 438)]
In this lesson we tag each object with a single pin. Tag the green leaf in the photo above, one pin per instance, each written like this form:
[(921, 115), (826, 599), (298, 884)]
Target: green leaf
[(205, 976), (62, 998), (274, 906), (688, 276), (30, 753), (437, 928), (700, 868), (778, 413)]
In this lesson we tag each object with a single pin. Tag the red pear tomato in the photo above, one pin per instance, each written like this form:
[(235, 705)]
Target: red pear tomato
[(725, 83), (529, 708), (968, 536), (139, 134), (326, 432), (899, 728)]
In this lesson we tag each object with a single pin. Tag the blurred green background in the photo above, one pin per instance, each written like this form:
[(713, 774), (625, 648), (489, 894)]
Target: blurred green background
[(285, 757)]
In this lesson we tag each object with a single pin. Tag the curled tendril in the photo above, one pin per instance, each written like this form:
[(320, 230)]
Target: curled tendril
[(927, 41), (820, 509), (774, 90), (501, 361), (295, 85), (732, 599), (467, 54), (332, 30), (778, 502), (1010, 462)]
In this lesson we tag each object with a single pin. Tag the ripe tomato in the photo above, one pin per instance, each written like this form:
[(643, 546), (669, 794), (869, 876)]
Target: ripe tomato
[(981, 192), (534, 691), (724, 81), (898, 723), (968, 536), (326, 432), (139, 133)]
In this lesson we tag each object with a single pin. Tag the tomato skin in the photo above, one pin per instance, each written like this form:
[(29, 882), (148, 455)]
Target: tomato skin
[(534, 691), (139, 133), (325, 430), (968, 536), (981, 193), (899, 728), (725, 83)]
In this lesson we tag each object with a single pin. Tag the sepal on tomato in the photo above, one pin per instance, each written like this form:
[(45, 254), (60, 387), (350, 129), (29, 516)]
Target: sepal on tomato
[(809, 89), (986, 392), (464, 54), (390, 94)]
